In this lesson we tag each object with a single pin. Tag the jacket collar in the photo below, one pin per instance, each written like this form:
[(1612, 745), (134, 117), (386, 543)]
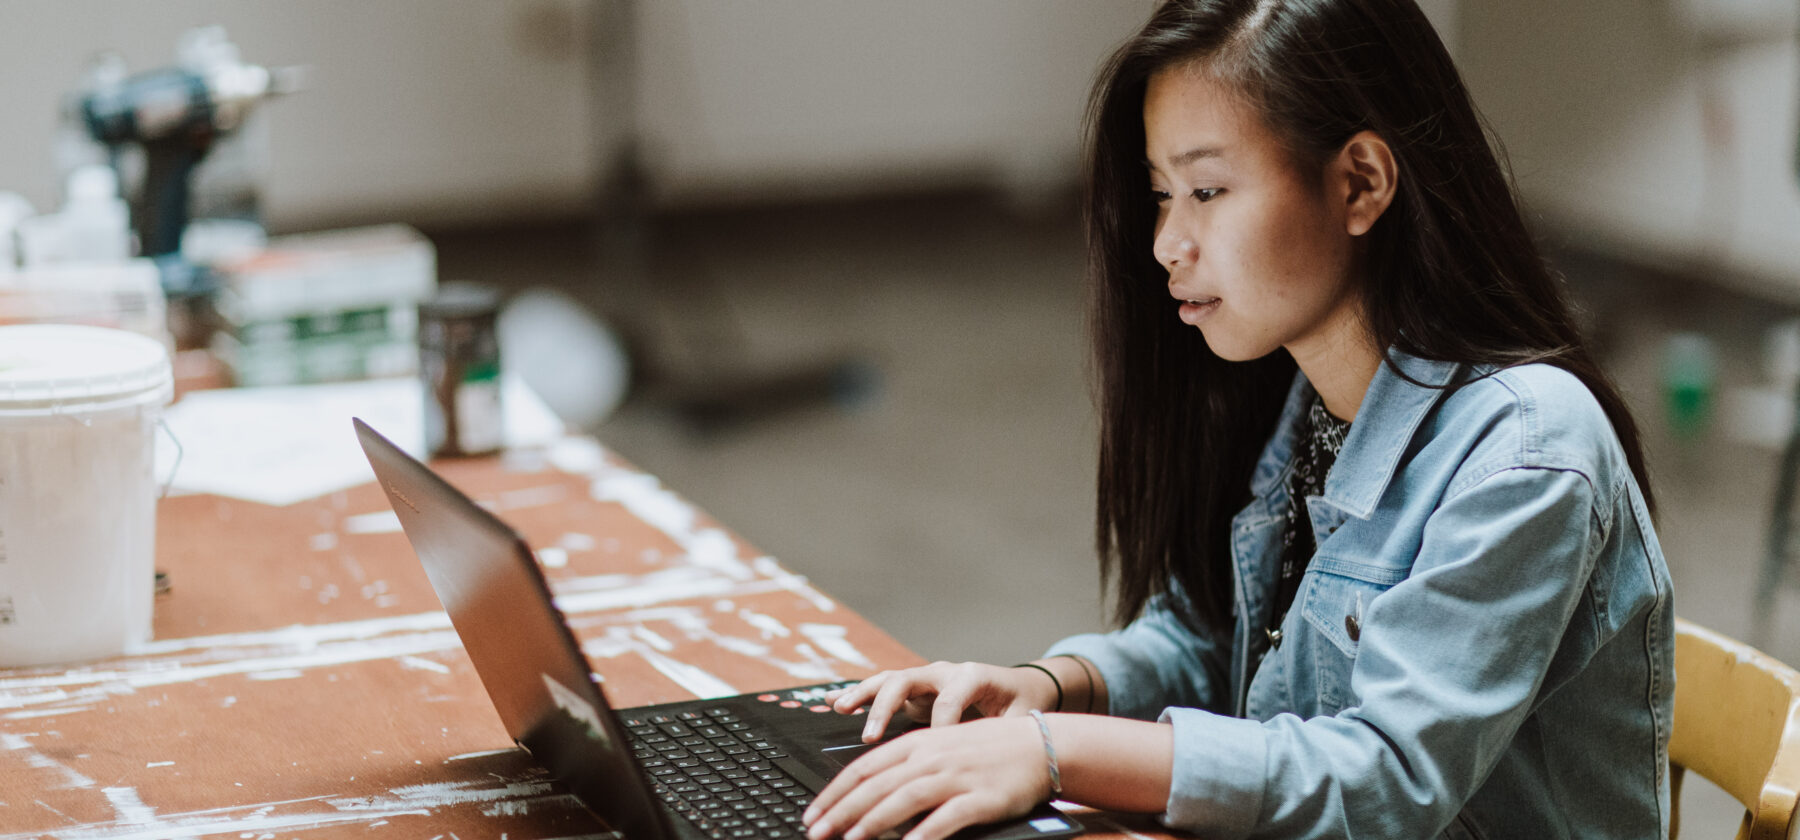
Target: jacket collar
[(1388, 418)]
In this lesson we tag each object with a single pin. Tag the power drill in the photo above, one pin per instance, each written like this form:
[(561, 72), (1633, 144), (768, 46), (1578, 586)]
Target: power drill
[(176, 114)]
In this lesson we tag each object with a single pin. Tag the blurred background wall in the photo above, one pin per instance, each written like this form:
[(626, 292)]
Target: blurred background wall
[(467, 111), (1658, 131)]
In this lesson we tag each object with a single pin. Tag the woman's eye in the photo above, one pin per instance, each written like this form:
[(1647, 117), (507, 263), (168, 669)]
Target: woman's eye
[(1207, 194), (1158, 196)]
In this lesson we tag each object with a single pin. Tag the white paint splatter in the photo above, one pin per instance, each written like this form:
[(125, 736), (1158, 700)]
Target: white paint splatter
[(482, 754), (421, 664), (531, 497), (276, 674), (714, 571), (767, 625), (619, 641), (438, 795), (662, 509), (651, 638), (576, 542), (645, 497), (714, 549), (131, 809), (217, 821), (38, 761), (793, 583), (150, 764), (521, 807), (379, 522), (832, 638), (323, 542), (577, 455), (38, 713), (553, 557), (696, 680), (742, 647), (815, 668)]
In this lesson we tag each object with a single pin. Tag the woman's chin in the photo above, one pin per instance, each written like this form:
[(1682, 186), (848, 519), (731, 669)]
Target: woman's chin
[(1234, 351)]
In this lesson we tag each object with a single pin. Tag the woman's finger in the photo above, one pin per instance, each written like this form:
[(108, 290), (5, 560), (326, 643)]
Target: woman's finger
[(894, 691), (952, 816), (856, 787), (953, 699), (847, 700), (918, 791)]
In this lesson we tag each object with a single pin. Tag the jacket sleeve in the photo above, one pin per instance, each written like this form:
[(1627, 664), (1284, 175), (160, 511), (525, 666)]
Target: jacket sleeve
[(1449, 664), (1157, 661)]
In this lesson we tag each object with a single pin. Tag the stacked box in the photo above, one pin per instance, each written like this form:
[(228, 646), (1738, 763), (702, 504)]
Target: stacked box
[(326, 307)]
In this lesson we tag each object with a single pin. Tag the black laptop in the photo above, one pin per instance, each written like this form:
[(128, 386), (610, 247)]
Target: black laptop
[(732, 768)]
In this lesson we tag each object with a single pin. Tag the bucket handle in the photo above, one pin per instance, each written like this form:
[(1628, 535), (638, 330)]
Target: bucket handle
[(174, 468)]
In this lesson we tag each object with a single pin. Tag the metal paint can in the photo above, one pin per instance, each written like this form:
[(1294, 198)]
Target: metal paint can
[(459, 360)]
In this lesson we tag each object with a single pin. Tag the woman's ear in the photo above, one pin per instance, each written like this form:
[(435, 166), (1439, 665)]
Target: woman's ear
[(1366, 165)]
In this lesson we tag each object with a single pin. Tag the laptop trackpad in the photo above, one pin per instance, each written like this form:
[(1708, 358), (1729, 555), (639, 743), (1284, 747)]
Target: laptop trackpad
[(840, 757)]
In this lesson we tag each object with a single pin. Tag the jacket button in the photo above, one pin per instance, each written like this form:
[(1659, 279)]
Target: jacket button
[(1274, 638), (1353, 627)]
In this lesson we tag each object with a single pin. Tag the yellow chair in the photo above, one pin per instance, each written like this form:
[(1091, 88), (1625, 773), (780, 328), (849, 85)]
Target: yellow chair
[(1737, 724)]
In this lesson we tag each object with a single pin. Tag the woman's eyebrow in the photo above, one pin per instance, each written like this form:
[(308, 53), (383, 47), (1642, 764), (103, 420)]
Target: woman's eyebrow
[(1189, 156), (1195, 154)]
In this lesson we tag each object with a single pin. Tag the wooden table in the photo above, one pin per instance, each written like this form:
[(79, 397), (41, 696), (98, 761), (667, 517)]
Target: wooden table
[(304, 681)]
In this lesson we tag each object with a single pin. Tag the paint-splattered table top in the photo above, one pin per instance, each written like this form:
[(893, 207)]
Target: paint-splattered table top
[(304, 681)]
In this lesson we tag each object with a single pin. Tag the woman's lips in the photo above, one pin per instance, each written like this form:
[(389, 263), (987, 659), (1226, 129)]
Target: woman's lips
[(1196, 310)]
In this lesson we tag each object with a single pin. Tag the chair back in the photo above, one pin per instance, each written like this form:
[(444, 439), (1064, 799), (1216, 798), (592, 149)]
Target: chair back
[(1737, 724)]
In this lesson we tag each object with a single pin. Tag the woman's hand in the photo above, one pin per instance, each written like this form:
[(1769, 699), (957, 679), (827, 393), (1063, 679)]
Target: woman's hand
[(983, 771), (943, 693)]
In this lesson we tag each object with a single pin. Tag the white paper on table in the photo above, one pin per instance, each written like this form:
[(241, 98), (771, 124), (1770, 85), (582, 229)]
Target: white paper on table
[(281, 445)]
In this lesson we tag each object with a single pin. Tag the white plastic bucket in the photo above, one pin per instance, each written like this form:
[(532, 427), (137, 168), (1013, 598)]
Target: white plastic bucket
[(78, 413)]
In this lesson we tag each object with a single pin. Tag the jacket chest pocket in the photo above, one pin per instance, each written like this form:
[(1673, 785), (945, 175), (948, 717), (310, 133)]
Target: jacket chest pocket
[(1337, 596)]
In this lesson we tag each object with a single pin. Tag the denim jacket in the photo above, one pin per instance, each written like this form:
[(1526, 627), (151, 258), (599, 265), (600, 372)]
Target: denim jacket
[(1482, 646)]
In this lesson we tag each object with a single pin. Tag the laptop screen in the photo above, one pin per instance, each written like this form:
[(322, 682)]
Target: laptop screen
[(527, 659)]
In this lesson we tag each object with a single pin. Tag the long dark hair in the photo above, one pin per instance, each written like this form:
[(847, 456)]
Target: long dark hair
[(1451, 272)]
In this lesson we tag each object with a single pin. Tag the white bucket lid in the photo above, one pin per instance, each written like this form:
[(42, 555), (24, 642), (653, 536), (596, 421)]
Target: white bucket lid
[(56, 369)]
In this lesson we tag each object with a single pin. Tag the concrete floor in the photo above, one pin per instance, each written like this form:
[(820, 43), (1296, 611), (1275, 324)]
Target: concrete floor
[(953, 507)]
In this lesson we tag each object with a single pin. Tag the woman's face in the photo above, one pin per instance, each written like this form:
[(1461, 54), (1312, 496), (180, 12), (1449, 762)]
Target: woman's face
[(1256, 246)]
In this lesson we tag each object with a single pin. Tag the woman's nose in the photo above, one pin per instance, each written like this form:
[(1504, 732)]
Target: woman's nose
[(1173, 247)]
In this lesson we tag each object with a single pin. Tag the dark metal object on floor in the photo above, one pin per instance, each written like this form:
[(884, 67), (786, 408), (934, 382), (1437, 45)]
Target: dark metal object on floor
[(719, 400)]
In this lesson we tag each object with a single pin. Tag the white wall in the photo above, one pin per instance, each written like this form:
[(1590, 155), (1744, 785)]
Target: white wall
[(1657, 130), (413, 107), (452, 110), (816, 95), (437, 111)]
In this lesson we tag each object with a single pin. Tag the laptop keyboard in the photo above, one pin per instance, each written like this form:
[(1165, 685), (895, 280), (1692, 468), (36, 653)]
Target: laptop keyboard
[(718, 774)]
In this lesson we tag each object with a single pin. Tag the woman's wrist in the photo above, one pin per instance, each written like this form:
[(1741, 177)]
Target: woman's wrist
[(1077, 681), (1055, 705), (1113, 763)]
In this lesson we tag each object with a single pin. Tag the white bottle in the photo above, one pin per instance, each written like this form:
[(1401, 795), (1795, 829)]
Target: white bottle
[(96, 218), (94, 225)]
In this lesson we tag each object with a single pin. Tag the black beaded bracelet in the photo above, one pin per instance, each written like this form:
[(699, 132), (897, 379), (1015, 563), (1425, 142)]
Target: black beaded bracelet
[(1053, 681)]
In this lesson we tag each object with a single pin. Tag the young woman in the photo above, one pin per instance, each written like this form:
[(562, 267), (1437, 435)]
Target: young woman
[(1377, 522)]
